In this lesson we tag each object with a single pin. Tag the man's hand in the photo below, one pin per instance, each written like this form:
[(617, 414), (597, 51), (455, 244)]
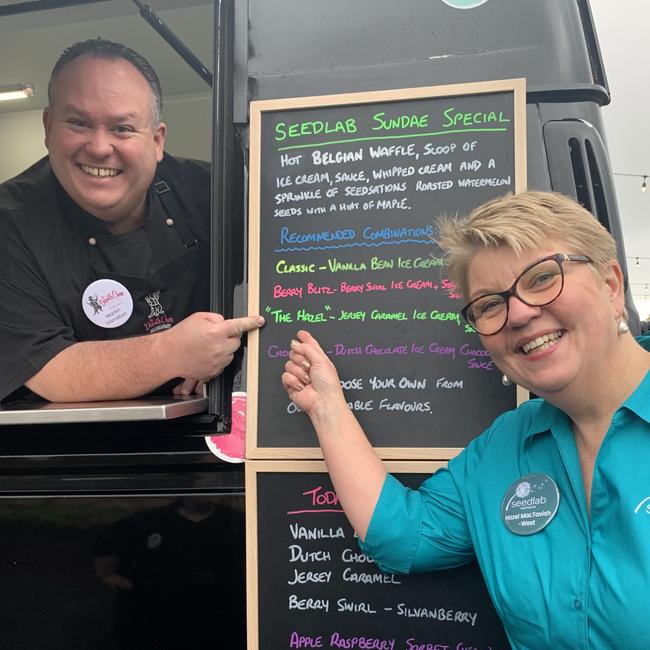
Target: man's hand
[(196, 349), (189, 387), (202, 345)]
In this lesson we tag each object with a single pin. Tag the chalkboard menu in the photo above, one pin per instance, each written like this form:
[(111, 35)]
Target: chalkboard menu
[(309, 585), (344, 190)]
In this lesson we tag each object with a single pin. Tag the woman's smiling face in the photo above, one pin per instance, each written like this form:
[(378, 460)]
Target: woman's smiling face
[(548, 349)]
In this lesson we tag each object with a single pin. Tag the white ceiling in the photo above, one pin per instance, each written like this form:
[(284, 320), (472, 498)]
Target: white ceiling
[(31, 42)]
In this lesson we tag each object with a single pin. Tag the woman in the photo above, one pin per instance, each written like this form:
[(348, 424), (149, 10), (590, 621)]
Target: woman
[(553, 499)]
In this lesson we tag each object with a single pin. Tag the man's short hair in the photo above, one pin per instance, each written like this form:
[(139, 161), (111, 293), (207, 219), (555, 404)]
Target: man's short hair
[(105, 49)]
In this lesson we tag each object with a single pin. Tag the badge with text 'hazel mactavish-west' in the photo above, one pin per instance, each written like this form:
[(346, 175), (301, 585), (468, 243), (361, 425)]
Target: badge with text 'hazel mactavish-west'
[(530, 504)]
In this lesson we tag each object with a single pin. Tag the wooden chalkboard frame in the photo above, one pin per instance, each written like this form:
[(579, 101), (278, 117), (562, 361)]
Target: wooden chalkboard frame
[(257, 108)]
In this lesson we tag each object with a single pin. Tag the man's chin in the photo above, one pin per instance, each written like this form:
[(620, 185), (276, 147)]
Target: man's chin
[(105, 211)]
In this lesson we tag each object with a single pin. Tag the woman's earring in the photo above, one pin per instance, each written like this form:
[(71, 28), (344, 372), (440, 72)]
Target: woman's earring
[(505, 380), (623, 327)]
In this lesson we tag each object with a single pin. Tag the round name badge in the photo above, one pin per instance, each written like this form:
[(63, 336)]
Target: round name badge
[(530, 504), (107, 303)]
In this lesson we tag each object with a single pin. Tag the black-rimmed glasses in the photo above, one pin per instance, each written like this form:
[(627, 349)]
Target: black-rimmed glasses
[(540, 284)]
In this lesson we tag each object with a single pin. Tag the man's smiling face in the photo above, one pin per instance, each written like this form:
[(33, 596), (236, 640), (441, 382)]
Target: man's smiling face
[(102, 143)]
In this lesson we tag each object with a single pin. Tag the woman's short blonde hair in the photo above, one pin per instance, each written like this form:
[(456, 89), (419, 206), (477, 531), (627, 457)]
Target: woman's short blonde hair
[(521, 222)]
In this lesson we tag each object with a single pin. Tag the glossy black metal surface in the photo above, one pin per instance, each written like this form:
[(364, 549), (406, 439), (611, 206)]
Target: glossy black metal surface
[(314, 48), (116, 551), (111, 572)]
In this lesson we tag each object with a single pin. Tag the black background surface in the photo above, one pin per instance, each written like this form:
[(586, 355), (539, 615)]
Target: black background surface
[(449, 417), (281, 503)]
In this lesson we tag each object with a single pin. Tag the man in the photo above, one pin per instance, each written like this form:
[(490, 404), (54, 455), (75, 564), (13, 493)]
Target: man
[(104, 246)]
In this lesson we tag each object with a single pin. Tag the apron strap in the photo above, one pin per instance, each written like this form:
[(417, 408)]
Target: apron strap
[(174, 213)]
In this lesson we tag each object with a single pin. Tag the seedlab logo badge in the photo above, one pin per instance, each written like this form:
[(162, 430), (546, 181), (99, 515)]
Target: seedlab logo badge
[(530, 504), (464, 4)]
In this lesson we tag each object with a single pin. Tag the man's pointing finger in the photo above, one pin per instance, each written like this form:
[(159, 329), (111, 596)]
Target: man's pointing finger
[(244, 324)]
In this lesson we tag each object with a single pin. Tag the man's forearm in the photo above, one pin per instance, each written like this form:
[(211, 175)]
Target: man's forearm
[(104, 370), (198, 348)]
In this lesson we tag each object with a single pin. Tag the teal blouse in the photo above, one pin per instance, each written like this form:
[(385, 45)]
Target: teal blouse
[(583, 581)]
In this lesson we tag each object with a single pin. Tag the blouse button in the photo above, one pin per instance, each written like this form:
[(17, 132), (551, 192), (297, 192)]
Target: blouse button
[(169, 221), (92, 241), (577, 603)]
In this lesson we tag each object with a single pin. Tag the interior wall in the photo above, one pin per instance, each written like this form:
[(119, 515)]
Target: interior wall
[(21, 135), (189, 126)]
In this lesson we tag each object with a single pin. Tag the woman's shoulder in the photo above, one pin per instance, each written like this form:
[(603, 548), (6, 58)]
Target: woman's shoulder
[(511, 425)]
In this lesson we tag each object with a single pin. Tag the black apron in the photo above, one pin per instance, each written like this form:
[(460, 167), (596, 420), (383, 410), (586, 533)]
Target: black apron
[(172, 289)]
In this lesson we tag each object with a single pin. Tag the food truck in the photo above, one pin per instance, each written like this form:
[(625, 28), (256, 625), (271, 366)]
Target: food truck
[(123, 524)]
